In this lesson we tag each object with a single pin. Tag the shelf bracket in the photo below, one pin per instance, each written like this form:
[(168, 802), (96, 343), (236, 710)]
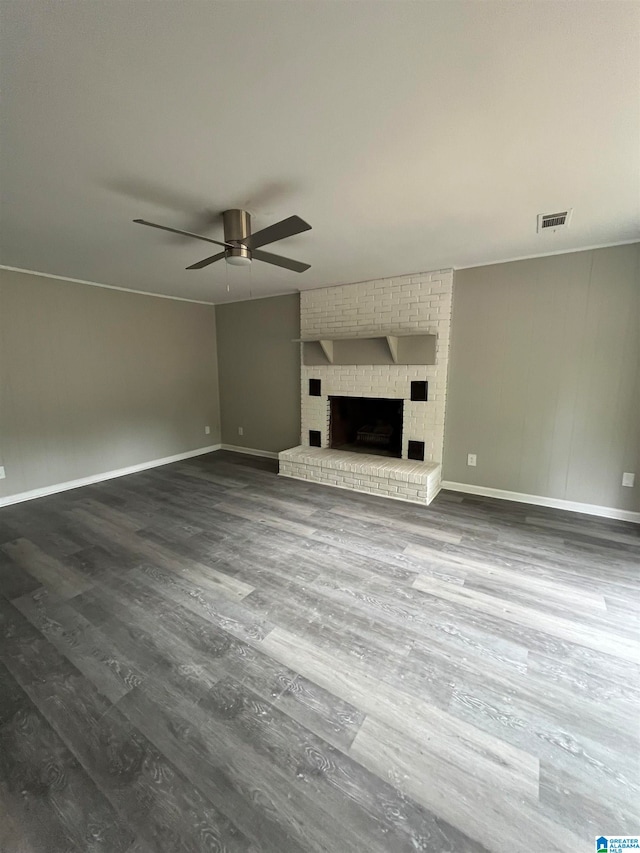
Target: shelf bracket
[(392, 341), (327, 349)]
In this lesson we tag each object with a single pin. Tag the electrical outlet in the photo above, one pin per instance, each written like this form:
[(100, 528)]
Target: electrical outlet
[(2, 474), (471, 459), (240, 431), (207, 430), (628, 479)]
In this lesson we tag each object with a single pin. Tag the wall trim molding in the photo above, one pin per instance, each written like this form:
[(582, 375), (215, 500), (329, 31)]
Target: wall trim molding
[(250, 451), (107, 475), (107, 286), (540, 500), (550, 254)]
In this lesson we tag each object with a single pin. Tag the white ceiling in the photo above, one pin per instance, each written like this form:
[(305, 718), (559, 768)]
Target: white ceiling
[(411, 135)]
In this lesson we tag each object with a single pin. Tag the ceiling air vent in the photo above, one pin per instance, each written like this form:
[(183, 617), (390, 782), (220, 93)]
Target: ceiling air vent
[(553, 221)]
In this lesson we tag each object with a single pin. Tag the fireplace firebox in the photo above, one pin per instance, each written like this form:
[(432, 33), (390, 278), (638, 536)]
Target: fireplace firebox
[(366, 425)]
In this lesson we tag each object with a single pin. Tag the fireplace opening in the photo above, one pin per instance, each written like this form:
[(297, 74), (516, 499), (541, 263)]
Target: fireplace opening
[(366, 425)]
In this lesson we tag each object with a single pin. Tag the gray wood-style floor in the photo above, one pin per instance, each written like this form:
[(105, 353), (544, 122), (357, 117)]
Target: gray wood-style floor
[(206, 657)]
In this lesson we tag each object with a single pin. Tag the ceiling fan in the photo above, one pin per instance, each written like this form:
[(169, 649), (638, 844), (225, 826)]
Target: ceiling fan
[(240, 245)]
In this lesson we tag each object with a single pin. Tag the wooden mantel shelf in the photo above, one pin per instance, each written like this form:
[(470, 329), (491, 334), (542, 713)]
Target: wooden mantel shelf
[(392, 348)]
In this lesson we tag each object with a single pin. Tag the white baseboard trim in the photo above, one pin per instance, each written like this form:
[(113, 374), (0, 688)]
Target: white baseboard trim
[(107, 475), (540, 500), (250, 451)]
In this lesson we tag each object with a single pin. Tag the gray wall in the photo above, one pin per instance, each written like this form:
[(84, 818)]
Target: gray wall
[(260, 372), (93, 380), (544, 377)]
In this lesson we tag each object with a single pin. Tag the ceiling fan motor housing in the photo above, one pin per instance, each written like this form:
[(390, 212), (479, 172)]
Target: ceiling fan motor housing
[(237, 227)]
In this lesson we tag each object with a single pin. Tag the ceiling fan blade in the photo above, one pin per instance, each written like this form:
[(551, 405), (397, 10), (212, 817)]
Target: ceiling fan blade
[(177, 231), (285, 228), (207, 261), (279, 261)]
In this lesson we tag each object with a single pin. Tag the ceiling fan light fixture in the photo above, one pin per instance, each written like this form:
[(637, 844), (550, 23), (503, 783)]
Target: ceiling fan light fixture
[(238, 256), (236, 261)]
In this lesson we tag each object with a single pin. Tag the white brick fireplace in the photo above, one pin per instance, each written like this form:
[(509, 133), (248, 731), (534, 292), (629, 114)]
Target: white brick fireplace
[(407, 305)]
